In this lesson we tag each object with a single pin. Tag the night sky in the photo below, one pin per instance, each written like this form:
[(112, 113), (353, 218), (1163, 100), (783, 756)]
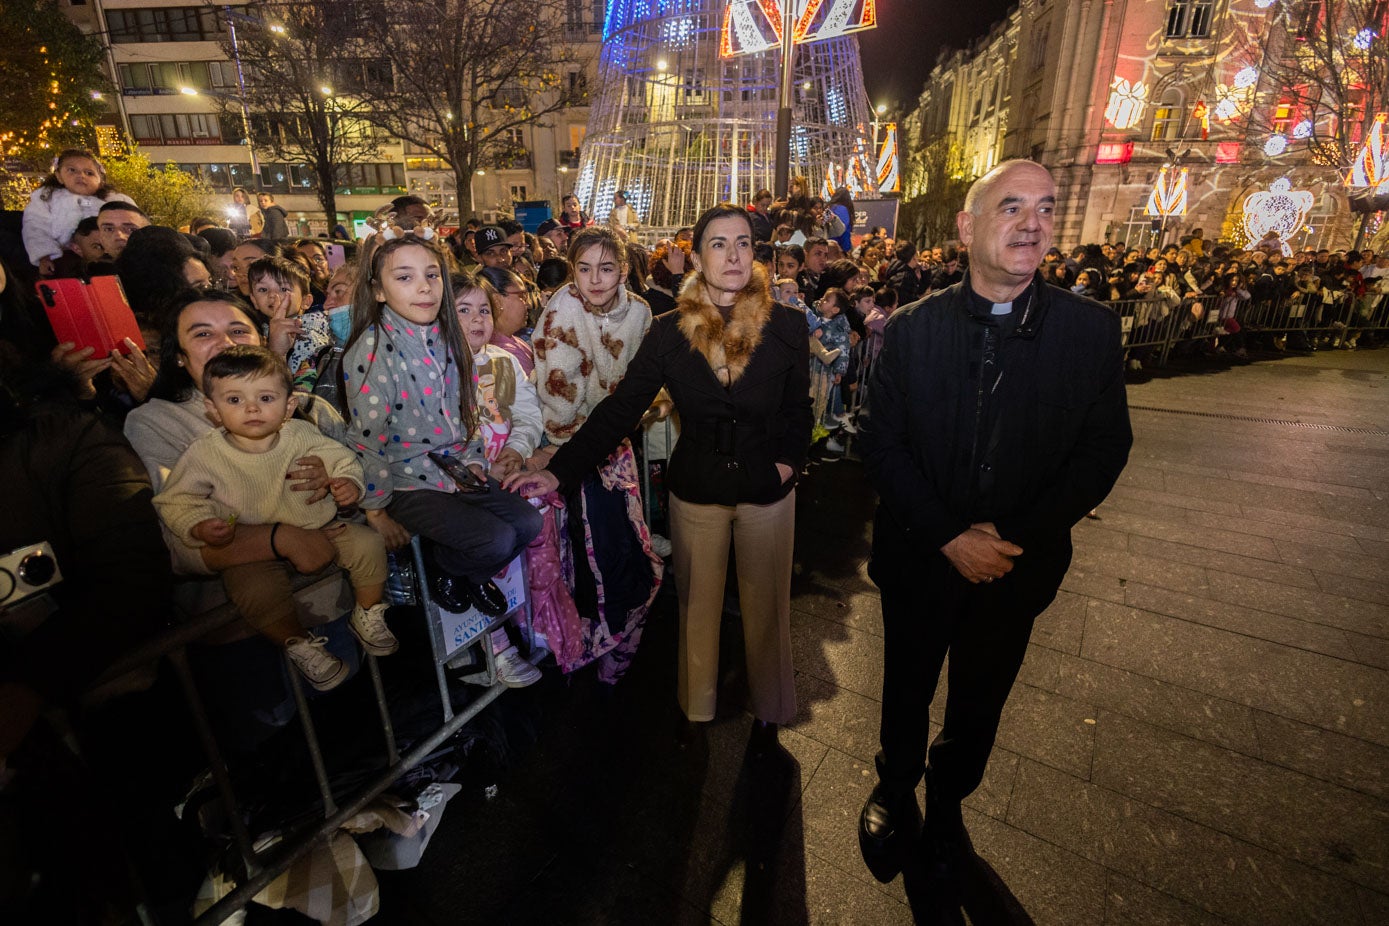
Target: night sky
[(899, 54)]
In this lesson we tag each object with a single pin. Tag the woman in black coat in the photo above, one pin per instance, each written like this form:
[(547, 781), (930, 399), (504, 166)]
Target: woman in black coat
[(736, 365)]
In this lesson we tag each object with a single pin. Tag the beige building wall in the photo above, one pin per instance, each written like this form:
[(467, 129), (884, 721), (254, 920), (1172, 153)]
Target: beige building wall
[(192, 131)]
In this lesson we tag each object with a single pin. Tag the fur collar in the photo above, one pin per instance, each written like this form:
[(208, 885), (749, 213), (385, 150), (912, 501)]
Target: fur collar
[(727, 347)]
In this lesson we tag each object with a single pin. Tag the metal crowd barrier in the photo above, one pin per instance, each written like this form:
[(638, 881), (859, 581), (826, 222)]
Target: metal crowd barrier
[(1152, 328), (451, 638)]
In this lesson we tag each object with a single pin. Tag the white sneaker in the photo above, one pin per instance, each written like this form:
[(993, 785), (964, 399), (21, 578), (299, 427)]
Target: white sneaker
[(833, 446), (1135, 365), (848, 425), (660, 546), (514, 671), (319, 667), (368, 625)]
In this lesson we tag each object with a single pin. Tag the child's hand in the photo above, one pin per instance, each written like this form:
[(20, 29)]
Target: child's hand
[(818, 334), (837, 378), (507, 462), (854, 338), (46, 266), (344, 491), (391, 530), (214, 532)]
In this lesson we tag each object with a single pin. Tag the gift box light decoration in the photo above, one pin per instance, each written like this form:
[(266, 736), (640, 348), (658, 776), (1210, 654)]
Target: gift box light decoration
[(1169, 193), (1127, 103), (1279, 209)]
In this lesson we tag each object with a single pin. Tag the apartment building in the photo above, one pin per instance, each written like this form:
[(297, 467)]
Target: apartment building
[(177, 97)]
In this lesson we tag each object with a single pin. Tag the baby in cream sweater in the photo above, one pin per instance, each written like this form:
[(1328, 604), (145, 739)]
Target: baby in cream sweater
[(236, 473)]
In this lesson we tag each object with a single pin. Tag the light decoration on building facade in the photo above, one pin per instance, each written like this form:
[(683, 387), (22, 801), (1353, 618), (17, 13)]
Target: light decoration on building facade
[(1276, 145), (889, 172), (1127, 103), (1369, 170), (1169, 193), (1303, 129), (1263, 4), (751, 26), (1246, 78), (1363, 39), (1279, 209), (1231, 101)]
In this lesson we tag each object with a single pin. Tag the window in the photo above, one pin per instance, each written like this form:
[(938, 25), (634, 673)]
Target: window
[(374, 179), (518, 192), (1189, 19), (165, 24), (1307, 20), (176, 129), (1167, 122)]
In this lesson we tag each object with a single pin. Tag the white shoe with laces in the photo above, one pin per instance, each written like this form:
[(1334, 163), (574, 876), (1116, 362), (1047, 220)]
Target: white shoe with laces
[(833, 446), (515, 672), (368, 625), (320, 668)]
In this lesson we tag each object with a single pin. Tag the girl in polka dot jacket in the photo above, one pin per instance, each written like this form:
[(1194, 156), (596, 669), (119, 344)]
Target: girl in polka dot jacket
[(409, 393)]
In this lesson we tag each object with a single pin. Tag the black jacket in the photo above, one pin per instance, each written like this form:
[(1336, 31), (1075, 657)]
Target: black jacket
[(911, 284), (72, 480), (1030, 436), (730, 438), (276, 224)]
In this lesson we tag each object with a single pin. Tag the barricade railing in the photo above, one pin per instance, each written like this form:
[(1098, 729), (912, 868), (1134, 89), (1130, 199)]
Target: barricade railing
[(451, 641)]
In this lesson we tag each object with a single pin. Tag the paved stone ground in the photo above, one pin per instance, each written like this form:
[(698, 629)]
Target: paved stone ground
[(1199, 733)]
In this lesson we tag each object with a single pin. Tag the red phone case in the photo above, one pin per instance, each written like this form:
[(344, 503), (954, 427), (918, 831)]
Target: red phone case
[(90, 314)]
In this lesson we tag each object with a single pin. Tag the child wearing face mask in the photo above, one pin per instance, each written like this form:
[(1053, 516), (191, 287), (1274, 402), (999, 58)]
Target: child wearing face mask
[(75, 190)]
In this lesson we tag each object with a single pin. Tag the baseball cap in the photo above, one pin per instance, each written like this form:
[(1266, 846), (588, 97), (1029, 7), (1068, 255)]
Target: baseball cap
[(546, 227), (489, 236)]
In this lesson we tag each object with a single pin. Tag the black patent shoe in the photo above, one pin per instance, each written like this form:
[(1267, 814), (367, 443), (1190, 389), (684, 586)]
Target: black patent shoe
[(888, 828), (449, 592), (763, 739), (485, 596)]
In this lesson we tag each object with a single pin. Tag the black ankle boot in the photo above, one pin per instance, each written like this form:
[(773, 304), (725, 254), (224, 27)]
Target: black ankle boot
[(888, 827)]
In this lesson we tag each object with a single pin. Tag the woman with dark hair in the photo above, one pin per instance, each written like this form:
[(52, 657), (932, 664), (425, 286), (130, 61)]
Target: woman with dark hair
[(841, 206), (198, 326), (511, 319), (151, 269), (736, 365)]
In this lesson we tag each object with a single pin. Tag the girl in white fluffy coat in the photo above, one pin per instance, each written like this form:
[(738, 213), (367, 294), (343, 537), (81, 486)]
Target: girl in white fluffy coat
[(75, 190)]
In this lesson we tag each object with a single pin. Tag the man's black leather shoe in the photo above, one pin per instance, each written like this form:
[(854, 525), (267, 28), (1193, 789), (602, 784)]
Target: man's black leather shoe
[(485, 596), (449, 591), (763, 739), (888, 827)]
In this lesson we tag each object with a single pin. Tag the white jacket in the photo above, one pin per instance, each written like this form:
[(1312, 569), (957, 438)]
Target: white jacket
[(48, 225)]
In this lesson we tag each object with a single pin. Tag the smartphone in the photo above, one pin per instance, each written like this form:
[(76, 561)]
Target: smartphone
[(91, 313), (458, 471)]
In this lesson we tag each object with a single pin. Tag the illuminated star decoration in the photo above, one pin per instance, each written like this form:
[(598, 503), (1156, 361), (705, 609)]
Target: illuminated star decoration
[(1169, 193), (1127, 103), (1279, 209), (1369, 169)]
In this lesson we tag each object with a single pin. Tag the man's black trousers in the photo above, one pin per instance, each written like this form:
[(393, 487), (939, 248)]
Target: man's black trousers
[(929, 611)]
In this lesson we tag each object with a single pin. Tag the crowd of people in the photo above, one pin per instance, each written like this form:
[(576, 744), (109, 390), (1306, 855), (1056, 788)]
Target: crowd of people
[(482, 390)]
